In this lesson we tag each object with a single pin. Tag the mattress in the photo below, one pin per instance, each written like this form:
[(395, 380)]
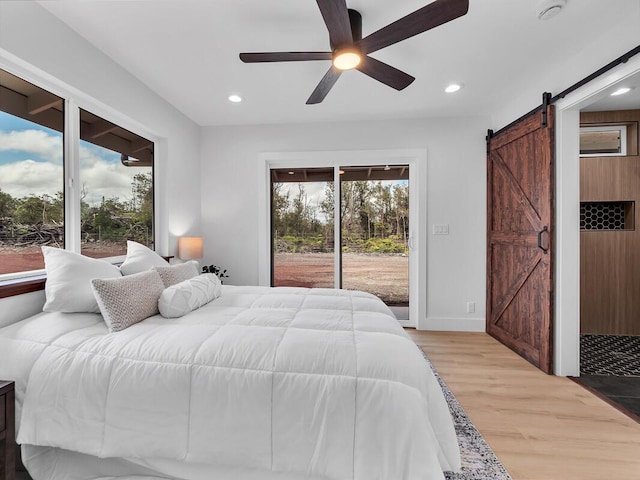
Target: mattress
[(260, 383)]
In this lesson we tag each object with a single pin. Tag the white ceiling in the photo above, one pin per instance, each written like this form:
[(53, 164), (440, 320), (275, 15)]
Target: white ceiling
[(628, 101), (187, 51)]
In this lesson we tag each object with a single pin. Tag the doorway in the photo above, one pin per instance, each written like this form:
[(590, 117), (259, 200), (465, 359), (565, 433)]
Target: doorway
[(351, 234), (610, 248), (412, 233), (567, 239)]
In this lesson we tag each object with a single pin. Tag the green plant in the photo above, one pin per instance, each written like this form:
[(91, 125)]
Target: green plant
[(222, 274)]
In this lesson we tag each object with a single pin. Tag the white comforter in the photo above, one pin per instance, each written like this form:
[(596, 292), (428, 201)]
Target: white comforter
[(320, 383)]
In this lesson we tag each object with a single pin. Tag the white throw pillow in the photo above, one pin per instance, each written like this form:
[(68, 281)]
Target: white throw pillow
[(140, 258), (68, 287), (128, 300), (189, 295), (172, 274)]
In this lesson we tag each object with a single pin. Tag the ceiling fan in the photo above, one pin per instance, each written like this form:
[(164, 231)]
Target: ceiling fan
[(349, 50)]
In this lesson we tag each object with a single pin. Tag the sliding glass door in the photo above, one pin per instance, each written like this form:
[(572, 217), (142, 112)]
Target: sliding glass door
[(374, 211), (302, 232), (366, 215)]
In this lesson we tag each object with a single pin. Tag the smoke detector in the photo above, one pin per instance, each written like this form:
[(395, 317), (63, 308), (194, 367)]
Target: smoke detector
[(550, 8)]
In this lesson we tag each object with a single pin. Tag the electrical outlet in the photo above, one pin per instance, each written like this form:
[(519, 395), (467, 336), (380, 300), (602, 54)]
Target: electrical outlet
[(471, 307)]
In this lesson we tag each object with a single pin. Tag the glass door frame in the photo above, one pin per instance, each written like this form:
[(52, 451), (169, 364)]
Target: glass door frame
[(417, 161)]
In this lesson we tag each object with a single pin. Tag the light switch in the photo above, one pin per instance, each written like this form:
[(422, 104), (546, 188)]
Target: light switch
[(441, 229)]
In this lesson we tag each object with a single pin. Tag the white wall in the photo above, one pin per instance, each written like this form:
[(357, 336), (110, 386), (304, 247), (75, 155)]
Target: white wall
[(34, 36), (456, 159), (606, 45), (16, 308)]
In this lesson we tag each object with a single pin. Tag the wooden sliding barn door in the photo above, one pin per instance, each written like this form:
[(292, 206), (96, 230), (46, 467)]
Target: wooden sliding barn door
[(520, 237)]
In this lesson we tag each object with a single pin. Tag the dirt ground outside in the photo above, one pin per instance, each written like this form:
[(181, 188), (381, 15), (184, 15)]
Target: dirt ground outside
[(386, 276), (383, 275), (23, 259)]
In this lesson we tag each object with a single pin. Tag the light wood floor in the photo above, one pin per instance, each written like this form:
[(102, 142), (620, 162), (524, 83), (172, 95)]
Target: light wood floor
[(541, 427)]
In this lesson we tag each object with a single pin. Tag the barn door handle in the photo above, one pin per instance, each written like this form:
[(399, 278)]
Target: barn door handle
[(544, 229)]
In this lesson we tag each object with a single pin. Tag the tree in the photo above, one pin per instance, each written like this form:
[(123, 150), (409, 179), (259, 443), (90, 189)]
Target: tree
[(109, 220), (141, 224), (7, 205), (279, 206), (44, 209), (374, 216), (327, 208), (382, 202), (401, 207), (142, 191)]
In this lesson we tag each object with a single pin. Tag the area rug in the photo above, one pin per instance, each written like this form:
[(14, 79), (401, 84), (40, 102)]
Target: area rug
[(478, 460)]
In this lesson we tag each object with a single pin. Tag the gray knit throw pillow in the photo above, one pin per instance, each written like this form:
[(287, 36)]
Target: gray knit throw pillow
[(174, 274), (125, 301)]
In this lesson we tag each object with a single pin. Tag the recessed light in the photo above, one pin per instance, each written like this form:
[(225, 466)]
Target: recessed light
[(291, 172), (621, 91), (235, 98), (454, 87)]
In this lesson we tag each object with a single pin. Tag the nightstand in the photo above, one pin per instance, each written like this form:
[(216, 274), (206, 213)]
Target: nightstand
[(7, 431)]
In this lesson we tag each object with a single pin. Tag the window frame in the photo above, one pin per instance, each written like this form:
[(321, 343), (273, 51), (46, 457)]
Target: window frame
[(417, 160), (17, 283), (622, 134)]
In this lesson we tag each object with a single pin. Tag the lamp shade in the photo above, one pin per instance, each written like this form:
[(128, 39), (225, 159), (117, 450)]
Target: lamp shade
[(189, 248)]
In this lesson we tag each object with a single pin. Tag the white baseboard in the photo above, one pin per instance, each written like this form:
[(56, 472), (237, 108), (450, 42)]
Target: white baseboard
[(407, 323), (452, 324)]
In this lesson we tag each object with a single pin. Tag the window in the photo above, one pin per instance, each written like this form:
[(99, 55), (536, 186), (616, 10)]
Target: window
[(112, 189), (116, 177), (373, 248), (302, 227), (603, 141), (31, 173)]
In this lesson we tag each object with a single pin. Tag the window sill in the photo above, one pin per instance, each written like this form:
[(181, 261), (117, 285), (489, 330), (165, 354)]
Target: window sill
[(20, 286), (35, 283)]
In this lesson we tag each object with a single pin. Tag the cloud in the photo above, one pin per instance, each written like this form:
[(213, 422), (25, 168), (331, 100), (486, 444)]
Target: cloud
[(28, 177), (33, 142), (100, 179), (39, 171), (108, 180)]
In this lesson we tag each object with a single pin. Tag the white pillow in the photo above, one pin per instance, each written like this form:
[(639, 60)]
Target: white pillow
[(128, 300), (172, 274), (140, 258), (68, 287), (189, 295)]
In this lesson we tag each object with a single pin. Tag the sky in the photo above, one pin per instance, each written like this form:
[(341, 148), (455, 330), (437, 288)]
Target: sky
[(315, 192), (31, 163)]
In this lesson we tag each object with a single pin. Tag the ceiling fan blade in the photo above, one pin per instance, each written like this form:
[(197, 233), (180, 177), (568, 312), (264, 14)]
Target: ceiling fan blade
[(327, 82), (426, 18), (336, 18), (284, 56), (385, 73)]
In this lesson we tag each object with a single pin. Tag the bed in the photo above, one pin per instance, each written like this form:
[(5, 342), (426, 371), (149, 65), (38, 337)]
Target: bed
[(259, 383)]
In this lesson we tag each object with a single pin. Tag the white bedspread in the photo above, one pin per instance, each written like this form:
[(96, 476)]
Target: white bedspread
[(320, 383)]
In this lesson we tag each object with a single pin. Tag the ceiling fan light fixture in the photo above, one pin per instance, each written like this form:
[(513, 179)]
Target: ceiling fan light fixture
[(350, 50), (347, 58)]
